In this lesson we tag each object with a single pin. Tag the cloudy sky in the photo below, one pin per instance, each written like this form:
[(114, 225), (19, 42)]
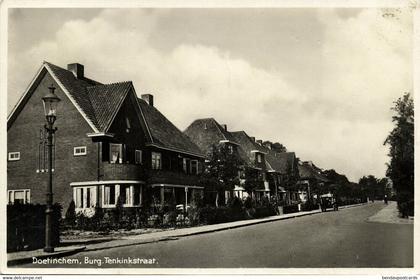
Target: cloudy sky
[(320, 81)]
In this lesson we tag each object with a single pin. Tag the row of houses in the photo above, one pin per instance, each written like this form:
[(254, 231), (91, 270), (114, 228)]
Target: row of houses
[(112, 144)]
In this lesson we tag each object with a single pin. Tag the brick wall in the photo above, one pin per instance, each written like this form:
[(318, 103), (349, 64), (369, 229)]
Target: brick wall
[(23, 137)]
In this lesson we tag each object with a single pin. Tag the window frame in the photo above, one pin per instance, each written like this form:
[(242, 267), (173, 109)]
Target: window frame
[(140, 152), (80, 153), (120, 159), (259, 158), (88, 196), (156, 158), (10, 154), (116, 195), (196, 166), (26, 199)]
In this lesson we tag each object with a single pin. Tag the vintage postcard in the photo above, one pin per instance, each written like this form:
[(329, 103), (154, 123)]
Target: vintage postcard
[(209, 138)]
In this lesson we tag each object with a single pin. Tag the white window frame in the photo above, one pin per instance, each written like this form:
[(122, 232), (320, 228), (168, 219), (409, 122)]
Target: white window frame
[(156, 158), (140, 153), (117, 194), (120, 160), (259, 158), (93, 197), (11, 156), (82, 151), (196, 166), (184, 165), (11, 196)]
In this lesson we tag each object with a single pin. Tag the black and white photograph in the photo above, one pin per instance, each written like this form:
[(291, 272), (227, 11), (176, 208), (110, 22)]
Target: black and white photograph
[(185, 137)]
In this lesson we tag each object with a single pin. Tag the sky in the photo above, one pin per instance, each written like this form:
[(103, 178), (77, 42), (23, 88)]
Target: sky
[(321, 81)]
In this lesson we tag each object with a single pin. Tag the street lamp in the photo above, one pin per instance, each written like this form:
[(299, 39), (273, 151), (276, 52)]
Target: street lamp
[(50, 102)]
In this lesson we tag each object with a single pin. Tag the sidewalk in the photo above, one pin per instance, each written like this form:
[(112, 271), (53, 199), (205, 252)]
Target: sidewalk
[(131, 240), (389, 214)]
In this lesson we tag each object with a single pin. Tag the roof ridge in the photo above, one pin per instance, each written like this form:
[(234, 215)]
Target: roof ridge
[(111, 84)]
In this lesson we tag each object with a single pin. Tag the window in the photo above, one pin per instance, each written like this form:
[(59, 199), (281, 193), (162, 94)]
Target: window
[(19, 196), (115, 153), (184, 165), (79, 151), (194, 167), (230, 149), (137, 195), (259, 158), (14, 156), (156, 160), (125, 194), (128, 125), (139, 157), (110, 195), (85, 197)]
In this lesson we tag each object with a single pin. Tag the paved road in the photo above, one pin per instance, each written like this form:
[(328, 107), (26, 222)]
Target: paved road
[(334, 239)]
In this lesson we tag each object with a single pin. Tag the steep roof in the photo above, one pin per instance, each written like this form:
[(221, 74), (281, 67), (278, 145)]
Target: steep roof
[(246, 144), (164, 133), (77, 90), (104, 100), (281, 162), (207, 132), (278, 162), (99, 103), (307, 171)]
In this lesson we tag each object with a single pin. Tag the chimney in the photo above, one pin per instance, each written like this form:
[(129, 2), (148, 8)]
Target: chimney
[(77, 69), (252, 138), (259, 142), (267, 144), (224, 127), (148, 98)]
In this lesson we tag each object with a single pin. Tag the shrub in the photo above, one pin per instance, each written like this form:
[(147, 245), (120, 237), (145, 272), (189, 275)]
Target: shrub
[(70, 218), (26, 226), (290, 209)]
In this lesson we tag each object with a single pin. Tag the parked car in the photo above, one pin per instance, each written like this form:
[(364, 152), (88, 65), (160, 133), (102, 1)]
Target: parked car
[(328, 201)]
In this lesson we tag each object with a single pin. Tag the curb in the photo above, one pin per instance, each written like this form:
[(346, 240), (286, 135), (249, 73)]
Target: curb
[(244, 225), (176, 236), (55, 255)]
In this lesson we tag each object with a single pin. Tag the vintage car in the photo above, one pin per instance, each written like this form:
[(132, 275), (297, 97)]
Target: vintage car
[(328, 201)]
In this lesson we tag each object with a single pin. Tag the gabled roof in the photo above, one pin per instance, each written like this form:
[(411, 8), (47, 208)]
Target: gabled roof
[(206, 132), (307, 171), (281, 162), (105, 99), (246, 142), (164, 133), (76, 88), (99, 103)]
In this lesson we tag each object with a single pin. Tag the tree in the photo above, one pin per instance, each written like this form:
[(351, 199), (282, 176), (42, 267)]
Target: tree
[(253, 180), (221, 172), (401, 152), (280, 148), (369, 185)]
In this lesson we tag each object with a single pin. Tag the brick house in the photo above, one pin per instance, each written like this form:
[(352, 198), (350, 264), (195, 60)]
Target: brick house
[(310, 181), (109, 143), (208, 133), (257, 156)]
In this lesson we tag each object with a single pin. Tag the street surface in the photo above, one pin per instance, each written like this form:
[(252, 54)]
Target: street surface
[(346, 238)]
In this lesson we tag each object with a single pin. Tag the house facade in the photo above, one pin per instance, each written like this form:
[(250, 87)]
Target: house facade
[(207, 134), (257, 156), (109, 144), (311, 181)]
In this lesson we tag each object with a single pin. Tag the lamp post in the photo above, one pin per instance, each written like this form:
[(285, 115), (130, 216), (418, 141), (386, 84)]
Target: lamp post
[(50, 102)]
